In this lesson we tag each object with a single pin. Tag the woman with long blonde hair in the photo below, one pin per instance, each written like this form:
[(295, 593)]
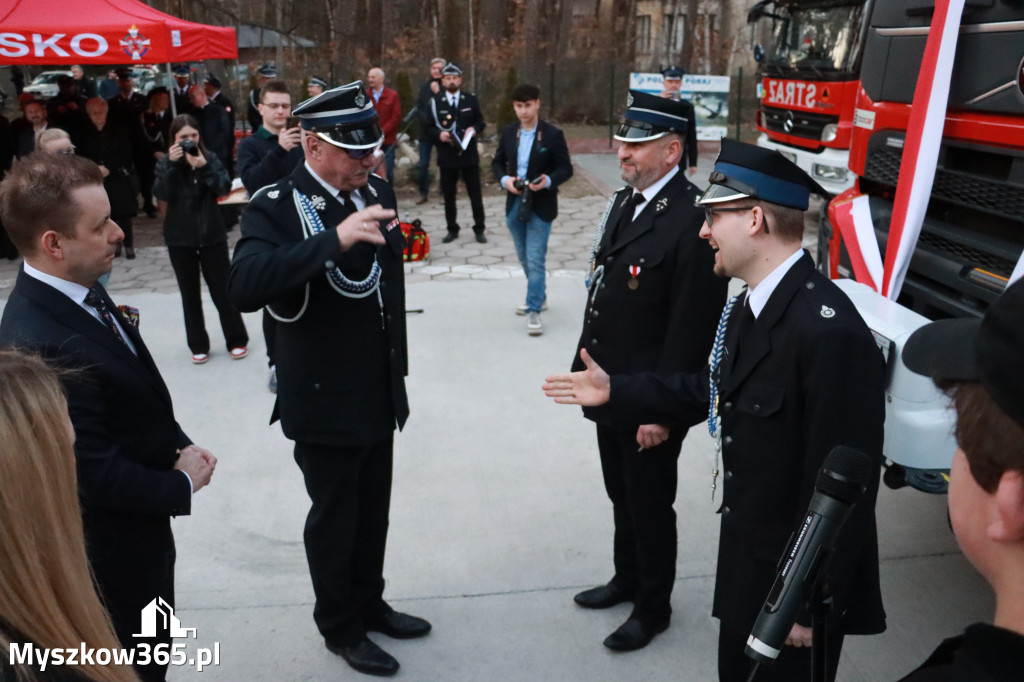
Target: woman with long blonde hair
[(47, 596)]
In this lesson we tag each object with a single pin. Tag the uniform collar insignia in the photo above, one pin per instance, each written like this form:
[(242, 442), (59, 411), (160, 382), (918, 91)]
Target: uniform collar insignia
[(827, 312), (273, 194), (372, 190), (319, 203), (662, 204)]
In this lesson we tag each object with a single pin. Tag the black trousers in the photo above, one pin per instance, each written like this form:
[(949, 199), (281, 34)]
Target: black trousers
[(212, 261), (127, 617), (346, 532), (471, 178), (642, 488), (792, 665), (270, 337)]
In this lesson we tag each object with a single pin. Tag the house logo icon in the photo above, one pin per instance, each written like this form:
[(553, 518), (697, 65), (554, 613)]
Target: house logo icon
[(158, 615)]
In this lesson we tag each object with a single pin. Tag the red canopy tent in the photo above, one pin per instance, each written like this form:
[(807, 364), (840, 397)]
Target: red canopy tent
[(105, 32)]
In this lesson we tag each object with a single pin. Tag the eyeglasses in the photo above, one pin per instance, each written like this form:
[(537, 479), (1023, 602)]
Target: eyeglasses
[(709, 214)]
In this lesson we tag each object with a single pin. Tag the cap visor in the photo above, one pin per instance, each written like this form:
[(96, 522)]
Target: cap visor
[(944, 350), (630, 132), (363, 136), (717, 194)]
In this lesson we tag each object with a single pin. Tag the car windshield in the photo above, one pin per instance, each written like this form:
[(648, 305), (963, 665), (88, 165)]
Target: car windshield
[(45, 78), (816, 40)]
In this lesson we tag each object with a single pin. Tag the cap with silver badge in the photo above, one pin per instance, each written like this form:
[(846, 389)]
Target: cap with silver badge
[(648, 117), (343, 116)]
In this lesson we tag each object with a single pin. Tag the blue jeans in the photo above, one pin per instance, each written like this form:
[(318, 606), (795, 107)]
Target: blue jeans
[(531, 240), (389, 162), (424, 166)]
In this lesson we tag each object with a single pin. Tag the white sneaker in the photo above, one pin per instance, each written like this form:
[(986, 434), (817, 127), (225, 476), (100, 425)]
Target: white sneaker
[(533, 325), (523, 309)]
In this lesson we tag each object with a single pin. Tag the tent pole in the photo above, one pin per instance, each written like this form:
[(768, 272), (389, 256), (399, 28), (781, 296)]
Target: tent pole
[(174, 106)]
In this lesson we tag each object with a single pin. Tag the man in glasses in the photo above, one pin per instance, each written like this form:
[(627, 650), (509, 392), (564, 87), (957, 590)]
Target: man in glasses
[(797, 373), (652, 306), (321, 249)]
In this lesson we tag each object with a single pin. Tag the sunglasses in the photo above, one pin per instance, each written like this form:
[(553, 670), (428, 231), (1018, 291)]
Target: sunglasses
[(358, 154)]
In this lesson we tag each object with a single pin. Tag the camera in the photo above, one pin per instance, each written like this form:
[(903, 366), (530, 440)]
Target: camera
[(523, 213), (189, 147)]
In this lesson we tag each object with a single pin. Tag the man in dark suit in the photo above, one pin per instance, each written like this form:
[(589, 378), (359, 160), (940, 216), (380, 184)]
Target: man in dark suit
[(428, 89), (179, 91), (136, 467), (456, 123), (322, 251), (212, 88), (673, 81), (795, 373), (653, 305), (532, 160), (216, 129)]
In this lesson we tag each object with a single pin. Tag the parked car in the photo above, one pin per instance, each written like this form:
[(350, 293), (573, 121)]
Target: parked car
[(44, 86)]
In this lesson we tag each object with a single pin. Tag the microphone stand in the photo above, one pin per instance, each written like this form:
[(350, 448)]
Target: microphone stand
[(820, 605)]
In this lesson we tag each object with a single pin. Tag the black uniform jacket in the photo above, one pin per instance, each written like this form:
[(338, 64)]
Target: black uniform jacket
[(667, 322), (466, 115), (341, 365), (549, 156), (126, 438), (112, 148), (809, 377)]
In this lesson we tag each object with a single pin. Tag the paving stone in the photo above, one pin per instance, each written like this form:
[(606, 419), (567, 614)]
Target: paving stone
[(484, 260)]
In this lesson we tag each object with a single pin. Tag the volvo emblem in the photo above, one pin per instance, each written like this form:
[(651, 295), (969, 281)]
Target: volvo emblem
[(787, 123)]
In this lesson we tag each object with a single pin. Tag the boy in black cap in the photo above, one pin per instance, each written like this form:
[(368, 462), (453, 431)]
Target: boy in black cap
[(794, 373), (456, 123), (322, 250), (672, 78), (652, 306), (980, 365), (212, 86)]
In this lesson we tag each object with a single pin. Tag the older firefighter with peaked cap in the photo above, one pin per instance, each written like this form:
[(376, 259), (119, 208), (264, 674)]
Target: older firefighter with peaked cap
[(794, 372), (322, 250), (653, 304)]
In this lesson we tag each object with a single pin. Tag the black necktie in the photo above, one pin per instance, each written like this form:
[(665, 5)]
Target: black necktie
[(626, 217), (743, 320), (94, 299), (347, 201)]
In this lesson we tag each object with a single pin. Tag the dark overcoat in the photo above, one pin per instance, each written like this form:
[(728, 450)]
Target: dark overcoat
[(549, 156), (665, 320), (341, 362), (808, 377)]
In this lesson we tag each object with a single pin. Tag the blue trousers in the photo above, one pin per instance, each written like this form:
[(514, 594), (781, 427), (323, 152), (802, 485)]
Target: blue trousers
[(531, 240)]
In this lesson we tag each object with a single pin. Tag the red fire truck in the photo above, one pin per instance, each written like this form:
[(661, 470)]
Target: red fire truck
[(809, 83), (972, 235)]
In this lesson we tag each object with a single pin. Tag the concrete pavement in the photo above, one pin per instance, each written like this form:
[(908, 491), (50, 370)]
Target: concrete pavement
[(499, 514)]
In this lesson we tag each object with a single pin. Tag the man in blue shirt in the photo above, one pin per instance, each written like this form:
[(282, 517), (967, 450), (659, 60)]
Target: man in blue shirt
[(532, 160)]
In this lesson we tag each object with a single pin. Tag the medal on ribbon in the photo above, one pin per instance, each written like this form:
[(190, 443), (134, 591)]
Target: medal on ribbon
[(634, 272)]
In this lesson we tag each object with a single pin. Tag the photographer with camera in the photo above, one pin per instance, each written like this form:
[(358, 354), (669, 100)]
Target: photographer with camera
[(189, 179), (531, 161)]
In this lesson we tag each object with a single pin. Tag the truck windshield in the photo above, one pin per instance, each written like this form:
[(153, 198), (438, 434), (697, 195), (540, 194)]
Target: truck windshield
[(816, 40)]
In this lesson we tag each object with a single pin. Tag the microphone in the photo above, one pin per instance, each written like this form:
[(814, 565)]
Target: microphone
[(840, 483)]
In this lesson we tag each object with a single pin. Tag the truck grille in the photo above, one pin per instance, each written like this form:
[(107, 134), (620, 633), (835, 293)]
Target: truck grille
[(974, 257), (963, 189), (804, 124)]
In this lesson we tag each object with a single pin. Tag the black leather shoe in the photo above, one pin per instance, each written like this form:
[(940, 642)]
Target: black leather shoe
[(366, 657), (481, 238), (450, 237), (602, 597), (398, 625), (633, 634), (422, 200)]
